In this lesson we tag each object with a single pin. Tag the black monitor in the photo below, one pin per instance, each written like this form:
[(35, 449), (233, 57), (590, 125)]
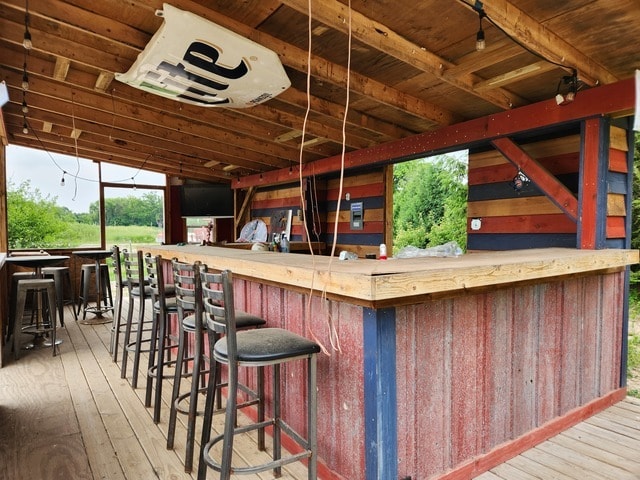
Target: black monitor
[(206, 200)]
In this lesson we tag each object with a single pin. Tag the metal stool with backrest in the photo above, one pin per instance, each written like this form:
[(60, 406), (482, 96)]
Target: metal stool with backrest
[(253, 348), (164, 305), (133, 269), (192, 324), (116, 325)]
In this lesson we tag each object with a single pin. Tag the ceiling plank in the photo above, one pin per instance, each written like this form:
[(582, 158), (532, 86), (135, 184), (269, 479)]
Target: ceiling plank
[(383, 38), (536, 37)]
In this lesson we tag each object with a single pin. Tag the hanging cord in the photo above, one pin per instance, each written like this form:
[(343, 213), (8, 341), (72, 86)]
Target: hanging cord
[(333, 333), (75, 143), (302, 196)]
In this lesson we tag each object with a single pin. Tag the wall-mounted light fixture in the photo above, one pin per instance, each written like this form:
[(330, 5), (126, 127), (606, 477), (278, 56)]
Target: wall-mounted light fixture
[(520, 181), (570, 96)]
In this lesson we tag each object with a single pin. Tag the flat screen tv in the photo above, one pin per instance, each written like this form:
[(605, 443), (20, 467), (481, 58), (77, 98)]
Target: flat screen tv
[(206, 200)]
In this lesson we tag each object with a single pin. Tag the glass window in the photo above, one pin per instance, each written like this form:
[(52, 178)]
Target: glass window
[(53, 201)]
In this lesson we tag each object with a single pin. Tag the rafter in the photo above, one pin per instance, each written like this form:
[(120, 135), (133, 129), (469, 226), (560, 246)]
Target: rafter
[(538, 38), (383, 38)]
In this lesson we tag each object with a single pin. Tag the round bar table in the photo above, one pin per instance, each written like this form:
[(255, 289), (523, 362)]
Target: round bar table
[(98, 309), (38, 262)]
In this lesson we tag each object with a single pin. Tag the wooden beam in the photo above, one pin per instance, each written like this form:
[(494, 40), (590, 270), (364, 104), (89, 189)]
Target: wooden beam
[(383, 38), (538, 38), (591, 229), (515, 75), (61, 69), (3, 130), (545, 181), (614, 99)]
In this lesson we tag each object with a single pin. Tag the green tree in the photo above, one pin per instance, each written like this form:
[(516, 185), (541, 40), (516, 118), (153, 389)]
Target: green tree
[(142, 211), (34, 221), (429, 202)]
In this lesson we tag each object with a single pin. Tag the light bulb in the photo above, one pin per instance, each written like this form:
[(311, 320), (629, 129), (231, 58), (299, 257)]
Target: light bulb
[(25, 129), (25, 81), (25, 108), (26, 41), (480, 43), (62, 181)]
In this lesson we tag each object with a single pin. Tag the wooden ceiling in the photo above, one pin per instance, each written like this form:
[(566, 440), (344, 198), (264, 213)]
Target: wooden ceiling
[(412, 68)]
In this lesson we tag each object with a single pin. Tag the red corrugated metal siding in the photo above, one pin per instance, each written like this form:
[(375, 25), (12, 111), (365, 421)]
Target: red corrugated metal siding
[(480, 370)]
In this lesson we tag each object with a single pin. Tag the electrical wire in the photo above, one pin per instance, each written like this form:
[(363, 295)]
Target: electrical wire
[(479, 9)]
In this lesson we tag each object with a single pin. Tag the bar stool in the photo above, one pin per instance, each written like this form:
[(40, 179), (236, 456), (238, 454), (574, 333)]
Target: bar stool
[(133, 268), (192, 324), (64, 289), (86, 272), (252, 348), (40, 286), (164, 305), (116, 325)]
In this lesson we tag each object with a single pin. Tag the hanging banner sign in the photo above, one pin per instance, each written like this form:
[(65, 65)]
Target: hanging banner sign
[(193, 60)]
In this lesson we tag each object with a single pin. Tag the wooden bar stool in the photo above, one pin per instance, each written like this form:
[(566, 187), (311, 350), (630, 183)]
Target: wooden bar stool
[(252, 349), (192, 326)]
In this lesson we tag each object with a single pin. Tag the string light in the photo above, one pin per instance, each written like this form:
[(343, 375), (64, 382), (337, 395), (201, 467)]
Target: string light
[(25, 128), (480, 43), (26, 40), (62, 179), (134, 182), (25, 107), (25, 78)]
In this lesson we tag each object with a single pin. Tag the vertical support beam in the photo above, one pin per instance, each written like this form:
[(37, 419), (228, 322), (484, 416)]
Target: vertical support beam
[(4, 238), (380, 398), (592, 224), (624, 354)]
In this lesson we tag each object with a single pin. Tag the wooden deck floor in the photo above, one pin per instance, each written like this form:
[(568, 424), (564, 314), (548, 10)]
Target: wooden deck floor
[(73, 417)]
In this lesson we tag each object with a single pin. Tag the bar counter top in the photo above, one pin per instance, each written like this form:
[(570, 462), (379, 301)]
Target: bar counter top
[(377, 283)]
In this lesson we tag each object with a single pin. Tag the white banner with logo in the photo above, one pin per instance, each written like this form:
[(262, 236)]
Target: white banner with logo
[(193, 60)]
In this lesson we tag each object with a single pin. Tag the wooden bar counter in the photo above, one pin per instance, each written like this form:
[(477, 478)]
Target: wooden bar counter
[(441, 367)]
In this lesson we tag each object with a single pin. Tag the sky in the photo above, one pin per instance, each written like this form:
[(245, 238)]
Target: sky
[(45, 170)]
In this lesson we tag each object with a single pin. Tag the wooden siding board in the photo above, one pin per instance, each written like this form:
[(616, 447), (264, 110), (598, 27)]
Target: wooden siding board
[(570, 365), (519, 241), (466, 396), (550, 348), (525, 359), (590, 361), (618, 161), (498, 392), (549, 223)]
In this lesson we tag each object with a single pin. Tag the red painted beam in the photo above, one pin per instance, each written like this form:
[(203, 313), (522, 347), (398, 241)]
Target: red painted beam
[(588, 233), (550, 185), (614, 98)]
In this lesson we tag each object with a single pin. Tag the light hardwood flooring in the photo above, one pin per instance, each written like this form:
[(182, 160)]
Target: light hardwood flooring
[(603, 447), (72, 417)]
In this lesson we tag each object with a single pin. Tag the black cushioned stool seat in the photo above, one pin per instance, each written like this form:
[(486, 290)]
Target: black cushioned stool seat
[(253, 348), (192, 327)]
